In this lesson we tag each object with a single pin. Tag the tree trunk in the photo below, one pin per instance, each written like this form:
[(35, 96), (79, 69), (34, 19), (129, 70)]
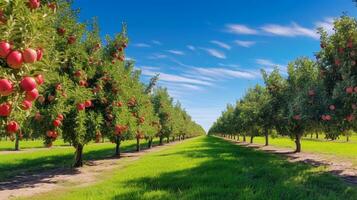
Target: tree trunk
[(173, 138), (244, 139), (78, 156), (317, 135), (117, 147), (251, 139), (311, 135), (161, 139), (150, 143), (102, 139), (168, 140), (347, 138), (137, 144), (234, 137), (238, 137), (17, 140), (298, 143), (266, 137)]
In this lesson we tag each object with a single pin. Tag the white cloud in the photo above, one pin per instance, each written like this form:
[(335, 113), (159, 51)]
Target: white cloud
[(292, 30), (190, 47), (215, 53), (221, 44), (156, 42), (142, 45), (228, 65), (326, 24), (157, 56), (174, 78), (240, 29), (269, 65), (176, 52), (246, 44), (223, 73)]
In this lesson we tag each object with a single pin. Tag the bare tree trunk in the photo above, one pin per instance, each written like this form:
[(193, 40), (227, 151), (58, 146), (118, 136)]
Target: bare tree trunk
[(150, 143), (244, 139), (298, 143), (266, 137), (347, 138), (78, 156), (117, 147), (161, 140), (17, 140), (137, 144), (251, 139)]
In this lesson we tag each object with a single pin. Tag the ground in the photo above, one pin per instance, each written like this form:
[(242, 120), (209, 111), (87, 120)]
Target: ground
[(208, 168)]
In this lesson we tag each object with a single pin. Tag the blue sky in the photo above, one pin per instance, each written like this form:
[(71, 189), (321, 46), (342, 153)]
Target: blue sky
[(209, 52)]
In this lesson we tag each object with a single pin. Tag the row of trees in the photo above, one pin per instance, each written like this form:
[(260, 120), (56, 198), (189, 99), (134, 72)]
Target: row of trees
[(316, 96), (58, 79)]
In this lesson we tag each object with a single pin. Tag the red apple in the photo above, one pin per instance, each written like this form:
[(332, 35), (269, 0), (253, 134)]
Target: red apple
[(39, 79), (78, 73), (60, 117), (327, 117), (52, 5), (58, 86), (82, 83), (49, 133), (12, 127), (349, 90), (5, 49), (355, 89), (297, 117), (39, 54), (120, 104), (25, 105), (332, 107), (5, 109), (56, 123), (350, 44), (61, 31), (337, 62), (38, 116), (88, 103), (51, 98), (30, 55), (6, 87), (81, 106), (15, 60), (33, 4), (28, 84), (71, 39), (32, 95), (41, 99), (311, 93), (350, 118)]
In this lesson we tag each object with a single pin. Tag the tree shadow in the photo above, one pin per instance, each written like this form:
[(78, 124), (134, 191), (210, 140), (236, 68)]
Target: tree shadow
[(234, 172)]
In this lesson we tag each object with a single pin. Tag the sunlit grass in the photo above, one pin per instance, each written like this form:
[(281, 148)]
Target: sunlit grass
[(210, 168)]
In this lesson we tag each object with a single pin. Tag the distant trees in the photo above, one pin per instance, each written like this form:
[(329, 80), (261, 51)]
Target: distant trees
[(315, 96)]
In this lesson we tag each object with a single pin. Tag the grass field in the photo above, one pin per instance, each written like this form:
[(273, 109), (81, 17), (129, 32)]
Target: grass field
[(347, 150), (25, 162), (10, 145), (211, 168)]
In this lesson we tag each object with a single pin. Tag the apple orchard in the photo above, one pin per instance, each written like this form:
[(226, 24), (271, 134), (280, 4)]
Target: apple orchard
[(316, 96), (59, 80)]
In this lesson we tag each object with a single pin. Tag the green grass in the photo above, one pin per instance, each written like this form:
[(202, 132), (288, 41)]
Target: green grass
[(9, 145), (209, 168), (347, 150), (27, 162)]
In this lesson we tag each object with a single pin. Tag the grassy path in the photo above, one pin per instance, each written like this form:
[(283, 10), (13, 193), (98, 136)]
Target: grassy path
[(211, 168)]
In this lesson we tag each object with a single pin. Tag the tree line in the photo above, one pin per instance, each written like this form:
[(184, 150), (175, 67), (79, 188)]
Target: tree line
[(58, 79), (317, 95)]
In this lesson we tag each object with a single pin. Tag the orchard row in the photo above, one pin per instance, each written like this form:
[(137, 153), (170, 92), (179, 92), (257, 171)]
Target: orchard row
[(58, 79), (315, 96)]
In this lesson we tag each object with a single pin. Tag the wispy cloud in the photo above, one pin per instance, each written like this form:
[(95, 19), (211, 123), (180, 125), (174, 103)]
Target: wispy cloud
[(292, 30), (224, 73), (215, 53), (156, 42), (157, 56), (269, 65), (190, 47), (173, 77), (221, 44), (176, 52), (326, 24), (240, 29), (142, 45), (243, 43), (228, 65)]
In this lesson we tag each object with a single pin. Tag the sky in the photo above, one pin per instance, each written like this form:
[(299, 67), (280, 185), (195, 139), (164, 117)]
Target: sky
[(209, 52)]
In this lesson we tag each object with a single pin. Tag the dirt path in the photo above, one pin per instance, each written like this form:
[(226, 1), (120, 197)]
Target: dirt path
[(340, 167), (90, 173)]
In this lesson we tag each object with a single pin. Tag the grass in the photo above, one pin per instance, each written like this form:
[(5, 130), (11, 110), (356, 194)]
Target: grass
[(27, 162), (346, 150), (209, 168), (8, 145)]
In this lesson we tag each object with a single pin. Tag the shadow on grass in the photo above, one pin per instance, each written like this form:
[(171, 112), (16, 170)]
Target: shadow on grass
[(28, 171), (234, 172)]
